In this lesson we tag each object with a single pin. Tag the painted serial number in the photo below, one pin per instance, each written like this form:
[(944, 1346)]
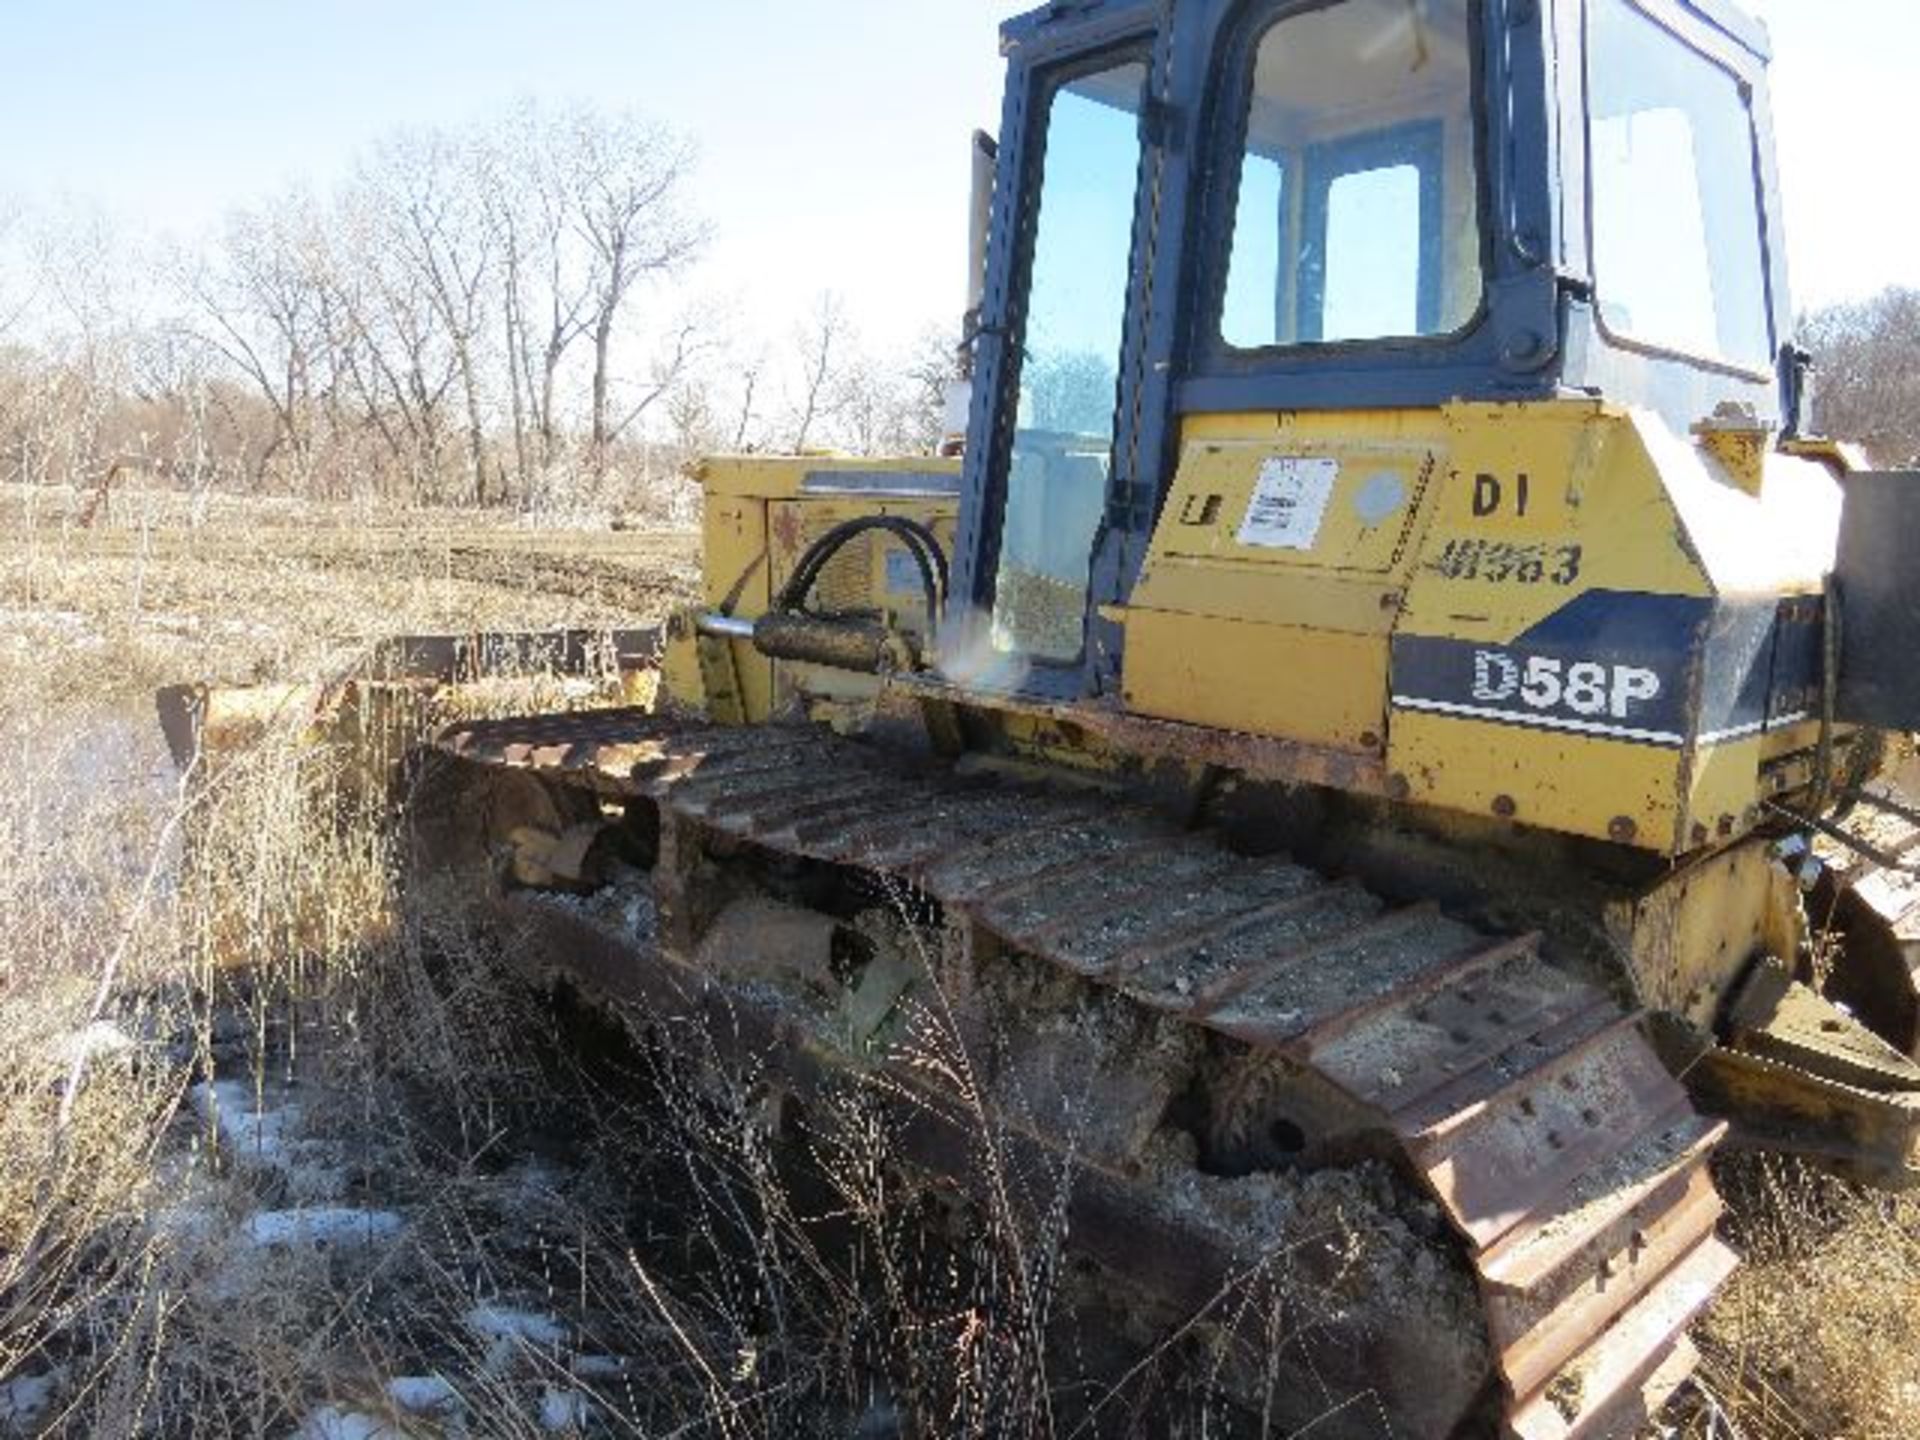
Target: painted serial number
[(1505, 562), (1544, 682)]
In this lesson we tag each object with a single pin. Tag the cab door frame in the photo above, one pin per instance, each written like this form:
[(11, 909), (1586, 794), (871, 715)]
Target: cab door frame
[(1042, 48)]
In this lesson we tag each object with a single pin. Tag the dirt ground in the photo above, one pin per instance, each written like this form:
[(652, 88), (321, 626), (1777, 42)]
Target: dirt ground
[(343, 1191)]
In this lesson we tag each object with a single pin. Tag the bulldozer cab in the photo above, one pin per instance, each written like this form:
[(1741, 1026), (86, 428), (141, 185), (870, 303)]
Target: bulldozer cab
[(1209, 208)]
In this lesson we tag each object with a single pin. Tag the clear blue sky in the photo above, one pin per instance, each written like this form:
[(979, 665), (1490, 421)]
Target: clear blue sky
[(832, 133)]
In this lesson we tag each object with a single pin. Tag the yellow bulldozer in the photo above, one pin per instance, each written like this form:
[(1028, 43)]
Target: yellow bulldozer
[(1394, 695)]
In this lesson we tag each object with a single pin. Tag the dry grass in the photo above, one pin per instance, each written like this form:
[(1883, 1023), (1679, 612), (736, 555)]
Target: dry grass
[(154, 592), (270, 953), (644, 1215), (216, 1013), (1819, 1334)]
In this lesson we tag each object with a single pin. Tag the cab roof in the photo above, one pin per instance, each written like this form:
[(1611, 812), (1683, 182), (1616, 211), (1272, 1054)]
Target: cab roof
[(1727, 16)]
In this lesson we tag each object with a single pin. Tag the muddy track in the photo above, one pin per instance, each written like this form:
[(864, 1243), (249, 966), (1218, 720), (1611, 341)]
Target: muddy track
[(1234, 1022)]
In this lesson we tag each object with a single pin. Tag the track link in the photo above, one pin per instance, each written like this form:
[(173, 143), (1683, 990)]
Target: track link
[(1567, 1160)]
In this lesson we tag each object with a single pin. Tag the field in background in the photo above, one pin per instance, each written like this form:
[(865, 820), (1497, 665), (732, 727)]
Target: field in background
[(159, 587), (351, 1187)]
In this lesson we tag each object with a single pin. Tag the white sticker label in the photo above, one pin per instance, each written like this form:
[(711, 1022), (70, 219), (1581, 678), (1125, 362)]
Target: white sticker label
[(1289, 502)]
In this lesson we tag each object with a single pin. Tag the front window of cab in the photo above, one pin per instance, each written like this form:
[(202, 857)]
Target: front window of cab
[(1359, 208), (1678, 262)]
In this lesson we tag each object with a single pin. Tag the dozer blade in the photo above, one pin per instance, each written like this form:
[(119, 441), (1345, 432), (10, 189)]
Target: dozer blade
[(1801, 1074), (1226, 1033), (1873, 909), (1830, 1074), (386, 703)]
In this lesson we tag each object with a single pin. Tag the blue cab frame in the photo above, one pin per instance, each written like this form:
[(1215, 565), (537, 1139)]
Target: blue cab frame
[(1537, 335)]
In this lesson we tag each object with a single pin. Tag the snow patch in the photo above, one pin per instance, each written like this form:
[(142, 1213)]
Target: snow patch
[(322, 1228), (599, 1367), (511, 1333), (100, 1040), (257, 1132), (564, 1411), (499, 1322), (69, 624), (331, 1423), (24, 1400), (423, 1394), (243, 1121), (189, 1222)]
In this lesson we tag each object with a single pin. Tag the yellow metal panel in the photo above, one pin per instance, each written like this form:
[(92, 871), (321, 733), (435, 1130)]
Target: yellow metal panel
[(1318, 427), (1545, 505), (1270, 596), (1582, 785), (1690, 938), (776, 477), (1317, 687), (1542, 504), (734, 554), (1372, 493), (1254, 615), (734, 535), (1785, 741), (1722, 787), (680, 670)]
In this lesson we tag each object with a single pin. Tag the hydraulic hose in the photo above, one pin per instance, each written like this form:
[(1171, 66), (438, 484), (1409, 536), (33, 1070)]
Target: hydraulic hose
[(920, 543)]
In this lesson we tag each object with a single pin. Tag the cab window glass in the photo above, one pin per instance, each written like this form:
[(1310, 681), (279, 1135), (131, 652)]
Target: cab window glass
[(1678, 260), (1373, 276), (1358, 216), (1076, 305)]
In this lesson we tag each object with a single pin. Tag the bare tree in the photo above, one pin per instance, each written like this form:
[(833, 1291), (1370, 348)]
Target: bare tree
[(546, 275), (927, 371), (691, 423), (820, 341), (1867, 373), (16, 290), (88, 304), (396, 358), (628, 182), (455, 321), (425, 189), (258, 302), (585, 209), (869, 403), (751, 370)]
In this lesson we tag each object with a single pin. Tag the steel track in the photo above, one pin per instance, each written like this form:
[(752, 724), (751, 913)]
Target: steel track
[(1525, 1103)]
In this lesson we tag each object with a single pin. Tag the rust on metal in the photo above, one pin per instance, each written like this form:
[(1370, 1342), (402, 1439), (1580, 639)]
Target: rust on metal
[(1259, 757)]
